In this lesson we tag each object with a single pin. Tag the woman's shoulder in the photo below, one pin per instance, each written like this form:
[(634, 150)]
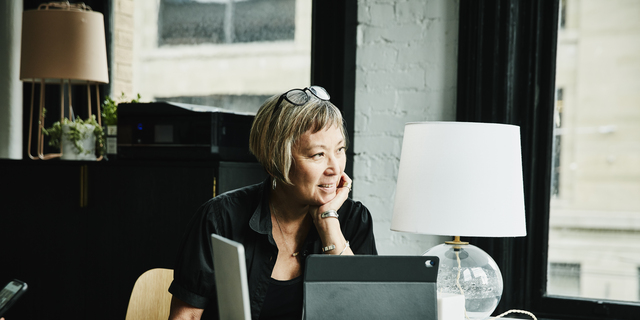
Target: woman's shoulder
[(354, 209), (238, 200), (247, 191)]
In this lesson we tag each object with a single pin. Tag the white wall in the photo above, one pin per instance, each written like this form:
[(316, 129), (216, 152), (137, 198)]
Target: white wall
[(10, 84), (406, 71)]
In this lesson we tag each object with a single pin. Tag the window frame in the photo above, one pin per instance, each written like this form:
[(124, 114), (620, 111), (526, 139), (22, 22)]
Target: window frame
[(506, 74), (333, 58)]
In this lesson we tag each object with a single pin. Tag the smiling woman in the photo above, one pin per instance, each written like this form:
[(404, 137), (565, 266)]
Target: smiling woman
[(302, 208), (319, 162)]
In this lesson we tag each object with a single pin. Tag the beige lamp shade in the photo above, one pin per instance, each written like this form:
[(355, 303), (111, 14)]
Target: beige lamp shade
[(460, 179), (63, 44)]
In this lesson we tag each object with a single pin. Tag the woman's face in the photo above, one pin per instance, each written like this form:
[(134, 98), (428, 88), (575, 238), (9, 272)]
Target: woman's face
[(319, 161)]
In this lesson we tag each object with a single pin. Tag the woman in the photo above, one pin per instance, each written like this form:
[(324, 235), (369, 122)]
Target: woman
[(301, 209)]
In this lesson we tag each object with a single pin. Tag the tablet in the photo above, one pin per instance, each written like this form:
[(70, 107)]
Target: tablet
[(370, 287)]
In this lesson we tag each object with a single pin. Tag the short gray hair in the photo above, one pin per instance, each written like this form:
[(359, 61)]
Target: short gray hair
[(275, 132)]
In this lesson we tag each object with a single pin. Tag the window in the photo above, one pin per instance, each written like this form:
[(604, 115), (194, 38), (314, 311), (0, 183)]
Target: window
[(563, 14), (595, 203), (222, 53), (225, 21), (563, 279), (557, 143), (507, 73)]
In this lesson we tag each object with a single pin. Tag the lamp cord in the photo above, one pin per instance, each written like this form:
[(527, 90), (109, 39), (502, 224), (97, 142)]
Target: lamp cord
[(516, 311), (458, 282)]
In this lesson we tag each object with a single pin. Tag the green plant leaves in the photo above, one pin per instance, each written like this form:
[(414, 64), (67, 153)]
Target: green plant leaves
[(77, 128), (77, 132), (110, 109)]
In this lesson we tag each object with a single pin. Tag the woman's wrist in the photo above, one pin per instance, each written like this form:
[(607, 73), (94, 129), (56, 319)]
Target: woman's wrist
[(338, 249), (329, 214), (327, 225), (331, 235)]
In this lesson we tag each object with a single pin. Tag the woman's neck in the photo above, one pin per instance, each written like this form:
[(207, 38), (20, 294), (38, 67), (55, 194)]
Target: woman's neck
[(288, 209)]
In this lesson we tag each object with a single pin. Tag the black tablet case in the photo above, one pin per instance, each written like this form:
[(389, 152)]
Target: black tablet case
[(370, 287)]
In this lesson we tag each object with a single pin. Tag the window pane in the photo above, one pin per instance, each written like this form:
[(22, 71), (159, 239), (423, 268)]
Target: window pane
[(225, 21), (594, 235), (224, 53), (261, 20), (564, 279), (191, 22)]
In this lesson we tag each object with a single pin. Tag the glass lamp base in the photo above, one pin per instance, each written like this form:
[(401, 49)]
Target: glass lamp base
[(468, 270)]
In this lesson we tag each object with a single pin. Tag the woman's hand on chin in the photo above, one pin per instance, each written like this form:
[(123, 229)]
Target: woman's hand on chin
[(329, 227), (342, 193)]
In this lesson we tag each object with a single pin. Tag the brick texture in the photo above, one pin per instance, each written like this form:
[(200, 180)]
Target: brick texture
[(406, 71)]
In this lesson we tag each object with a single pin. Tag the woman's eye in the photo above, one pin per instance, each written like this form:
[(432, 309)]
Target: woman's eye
[(318, 155)]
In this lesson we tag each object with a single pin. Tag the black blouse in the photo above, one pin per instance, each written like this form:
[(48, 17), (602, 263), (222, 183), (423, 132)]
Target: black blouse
[(243, 215), (283, 300)]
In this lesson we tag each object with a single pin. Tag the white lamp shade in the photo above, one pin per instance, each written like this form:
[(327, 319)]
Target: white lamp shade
[(460, 179), (63, 44)]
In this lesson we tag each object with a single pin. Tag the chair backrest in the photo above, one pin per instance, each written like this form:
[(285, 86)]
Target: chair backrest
[(150, 298)]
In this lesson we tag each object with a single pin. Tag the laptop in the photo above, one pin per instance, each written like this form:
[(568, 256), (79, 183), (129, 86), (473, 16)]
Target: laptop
[(231, 278), (338, 287), (370, 287)]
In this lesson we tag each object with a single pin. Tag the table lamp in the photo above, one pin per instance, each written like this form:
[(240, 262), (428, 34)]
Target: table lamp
[(62, 43), (462, 179)]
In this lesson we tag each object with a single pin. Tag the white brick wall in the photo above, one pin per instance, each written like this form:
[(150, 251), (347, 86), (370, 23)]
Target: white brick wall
[(10, 85), (405, 71), (122, 50)]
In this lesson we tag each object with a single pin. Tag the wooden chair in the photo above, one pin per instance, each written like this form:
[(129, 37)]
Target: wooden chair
[(150, 298)]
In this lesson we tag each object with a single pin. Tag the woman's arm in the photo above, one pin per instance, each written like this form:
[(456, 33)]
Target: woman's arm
[(181, 310), (329, 228)]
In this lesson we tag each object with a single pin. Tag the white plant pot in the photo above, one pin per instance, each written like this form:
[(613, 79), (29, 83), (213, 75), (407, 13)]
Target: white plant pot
[(88, 143)]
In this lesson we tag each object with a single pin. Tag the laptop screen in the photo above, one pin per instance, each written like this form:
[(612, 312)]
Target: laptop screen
[(231, 278), (370, 287)]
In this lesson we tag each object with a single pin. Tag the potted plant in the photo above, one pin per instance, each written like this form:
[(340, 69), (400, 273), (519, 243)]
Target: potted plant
[(84, 139), (80, 139), (110, 109), (110, 120)]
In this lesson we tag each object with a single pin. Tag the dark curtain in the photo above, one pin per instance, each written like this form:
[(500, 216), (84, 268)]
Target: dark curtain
[(506, 74)]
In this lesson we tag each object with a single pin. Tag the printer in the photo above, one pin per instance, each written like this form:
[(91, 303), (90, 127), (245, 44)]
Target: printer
[(178, 131)]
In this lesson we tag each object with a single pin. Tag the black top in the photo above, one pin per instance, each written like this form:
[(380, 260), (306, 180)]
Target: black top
[(283, 300), (243, 215)]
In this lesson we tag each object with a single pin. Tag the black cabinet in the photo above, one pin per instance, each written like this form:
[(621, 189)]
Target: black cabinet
[(80, 233)]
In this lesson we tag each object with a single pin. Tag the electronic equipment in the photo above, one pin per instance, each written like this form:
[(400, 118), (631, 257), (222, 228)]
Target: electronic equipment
[(231, 278), (364, 287), (10, 294), (178, 131)]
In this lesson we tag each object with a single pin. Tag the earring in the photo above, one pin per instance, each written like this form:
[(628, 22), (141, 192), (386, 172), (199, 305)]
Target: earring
[(273, 183)]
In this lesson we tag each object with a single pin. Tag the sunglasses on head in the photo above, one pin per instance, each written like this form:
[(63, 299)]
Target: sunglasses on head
[(299, 97)]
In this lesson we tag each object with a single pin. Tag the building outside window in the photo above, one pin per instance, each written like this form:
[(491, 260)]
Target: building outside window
[(564, 279), (594, 227), (223, 21), (224, 53)]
